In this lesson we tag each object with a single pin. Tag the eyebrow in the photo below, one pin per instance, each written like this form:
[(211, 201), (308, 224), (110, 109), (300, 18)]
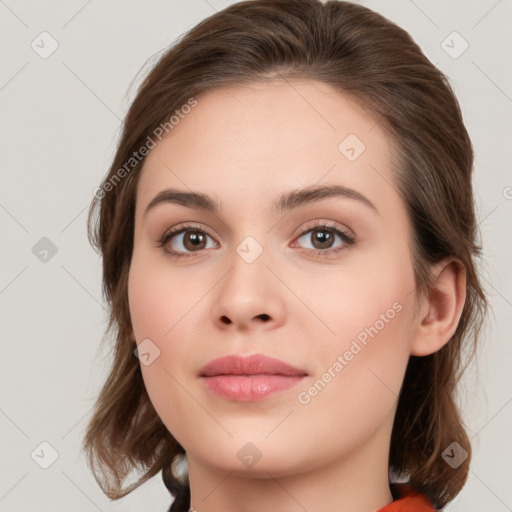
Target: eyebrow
[(285, 202)]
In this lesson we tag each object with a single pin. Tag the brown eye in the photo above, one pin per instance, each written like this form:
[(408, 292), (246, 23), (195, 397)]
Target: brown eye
[(322, 239), (185, 241), (193, 240)]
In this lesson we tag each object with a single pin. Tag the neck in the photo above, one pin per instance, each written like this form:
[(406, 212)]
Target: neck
[(354, 482)]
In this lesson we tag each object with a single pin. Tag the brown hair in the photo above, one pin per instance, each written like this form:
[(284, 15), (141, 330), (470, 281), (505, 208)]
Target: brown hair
[(363, 55)]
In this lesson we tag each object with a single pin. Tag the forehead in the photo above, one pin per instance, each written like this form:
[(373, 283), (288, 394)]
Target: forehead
[(264, 138)]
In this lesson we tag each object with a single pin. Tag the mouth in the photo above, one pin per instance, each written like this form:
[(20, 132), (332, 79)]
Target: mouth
[(247, 388), (249, 378)]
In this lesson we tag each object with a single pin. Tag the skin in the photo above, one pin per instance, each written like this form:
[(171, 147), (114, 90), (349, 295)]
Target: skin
[(245, 147)]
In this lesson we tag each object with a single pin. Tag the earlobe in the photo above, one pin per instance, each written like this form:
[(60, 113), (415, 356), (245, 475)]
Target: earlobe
[(437, 321)]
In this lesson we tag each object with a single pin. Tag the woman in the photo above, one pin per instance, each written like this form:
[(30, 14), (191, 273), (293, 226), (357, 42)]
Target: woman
[(288, 241)]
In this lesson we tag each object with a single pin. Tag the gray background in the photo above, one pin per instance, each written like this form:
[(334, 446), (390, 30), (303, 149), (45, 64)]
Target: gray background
[(60, 120)]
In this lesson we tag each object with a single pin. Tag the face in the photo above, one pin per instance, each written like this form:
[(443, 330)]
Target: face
[(321, 281)]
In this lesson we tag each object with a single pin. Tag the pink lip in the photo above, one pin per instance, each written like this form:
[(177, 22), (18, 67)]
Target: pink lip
[(249, 378)]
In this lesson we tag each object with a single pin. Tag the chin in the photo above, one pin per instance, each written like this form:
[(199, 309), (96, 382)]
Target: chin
[(255, 458)]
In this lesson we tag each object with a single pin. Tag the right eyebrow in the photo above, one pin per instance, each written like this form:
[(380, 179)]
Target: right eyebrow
[(195, 200)]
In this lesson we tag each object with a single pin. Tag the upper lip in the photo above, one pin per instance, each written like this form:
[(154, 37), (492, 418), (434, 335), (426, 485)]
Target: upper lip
[(256, 364)]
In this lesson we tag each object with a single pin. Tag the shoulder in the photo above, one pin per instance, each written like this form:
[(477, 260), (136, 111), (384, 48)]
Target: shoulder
[(409, 501)]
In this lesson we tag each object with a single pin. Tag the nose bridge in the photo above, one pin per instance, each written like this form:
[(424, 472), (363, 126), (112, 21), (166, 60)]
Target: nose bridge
[(249, 291), (248, 275), (251, 242)]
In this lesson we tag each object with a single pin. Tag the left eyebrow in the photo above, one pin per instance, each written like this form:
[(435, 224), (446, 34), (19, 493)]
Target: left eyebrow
[(300, 197), (285, 202)]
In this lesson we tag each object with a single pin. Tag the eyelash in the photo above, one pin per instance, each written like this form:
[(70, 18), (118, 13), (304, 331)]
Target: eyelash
[(322, 226)]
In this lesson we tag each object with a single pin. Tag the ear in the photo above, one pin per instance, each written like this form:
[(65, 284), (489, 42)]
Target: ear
[(439, 313)]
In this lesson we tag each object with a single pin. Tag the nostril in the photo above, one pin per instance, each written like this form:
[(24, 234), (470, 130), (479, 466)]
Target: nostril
[(264, 316), (225, 319)]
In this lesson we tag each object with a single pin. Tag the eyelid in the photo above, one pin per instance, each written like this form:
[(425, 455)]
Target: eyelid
[(323, 223), (179, 229)]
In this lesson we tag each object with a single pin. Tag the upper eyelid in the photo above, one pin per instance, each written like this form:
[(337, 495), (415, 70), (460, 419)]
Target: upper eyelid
[(326, 224)]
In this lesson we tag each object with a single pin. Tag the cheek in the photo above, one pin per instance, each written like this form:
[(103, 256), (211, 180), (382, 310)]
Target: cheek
[(364, 345), (150, 307), (161, 308), (369, 297), (358, 380), (160, 301)]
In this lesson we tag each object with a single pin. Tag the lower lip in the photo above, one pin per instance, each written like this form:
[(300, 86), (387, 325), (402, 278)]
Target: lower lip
[(246, 388)]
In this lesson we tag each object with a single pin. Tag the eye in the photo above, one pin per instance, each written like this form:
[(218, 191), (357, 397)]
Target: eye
[(185, 240), (323, 237)]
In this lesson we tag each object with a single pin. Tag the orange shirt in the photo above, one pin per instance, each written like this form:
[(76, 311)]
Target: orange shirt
[(409, 501)]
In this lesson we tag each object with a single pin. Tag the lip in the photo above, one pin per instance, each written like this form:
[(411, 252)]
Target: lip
[(249, 378)]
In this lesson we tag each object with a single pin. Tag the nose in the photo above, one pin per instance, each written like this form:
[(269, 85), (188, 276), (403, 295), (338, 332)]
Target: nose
[(248, 297)]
